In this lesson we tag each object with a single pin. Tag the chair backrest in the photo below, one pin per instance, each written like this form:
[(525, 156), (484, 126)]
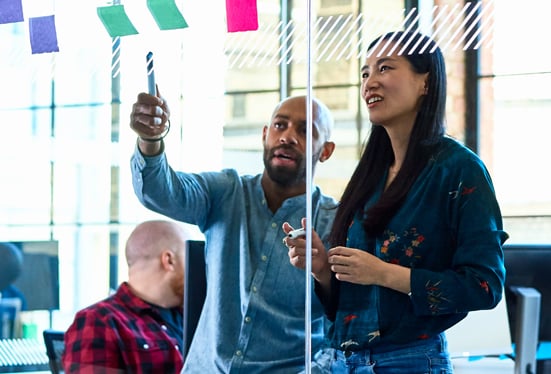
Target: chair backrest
[(195, 288), (10, 310), (53, 339)]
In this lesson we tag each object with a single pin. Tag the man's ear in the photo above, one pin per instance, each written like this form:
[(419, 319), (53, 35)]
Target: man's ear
[(168, 259), (264, 133), (327, 151)]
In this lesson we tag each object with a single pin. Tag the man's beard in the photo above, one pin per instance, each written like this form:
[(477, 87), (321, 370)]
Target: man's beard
[(286, 176), (177, 287)]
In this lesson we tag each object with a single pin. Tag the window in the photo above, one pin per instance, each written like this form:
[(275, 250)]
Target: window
[(515, 107), (65, 163)]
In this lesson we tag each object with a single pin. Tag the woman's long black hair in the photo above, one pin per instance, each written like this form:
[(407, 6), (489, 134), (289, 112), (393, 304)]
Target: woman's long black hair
[(428, 129)]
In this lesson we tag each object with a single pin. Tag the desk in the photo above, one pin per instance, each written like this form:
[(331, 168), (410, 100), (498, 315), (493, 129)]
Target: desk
[(501, 365), (486, 365)]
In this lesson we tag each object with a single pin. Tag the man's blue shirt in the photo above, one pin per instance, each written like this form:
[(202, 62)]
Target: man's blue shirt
[(253, 317)]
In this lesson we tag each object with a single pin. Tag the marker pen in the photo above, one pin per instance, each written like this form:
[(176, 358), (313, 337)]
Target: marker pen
[(296, 233), (150, 75)]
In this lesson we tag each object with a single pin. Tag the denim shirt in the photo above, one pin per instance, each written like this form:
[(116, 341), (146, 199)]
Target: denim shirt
[(253, 317), (449, 232)]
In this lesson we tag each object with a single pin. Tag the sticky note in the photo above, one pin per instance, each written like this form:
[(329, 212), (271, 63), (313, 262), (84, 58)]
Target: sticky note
[(11, 11), (116, 20), (43, 34), (241, 15), (166, 14)]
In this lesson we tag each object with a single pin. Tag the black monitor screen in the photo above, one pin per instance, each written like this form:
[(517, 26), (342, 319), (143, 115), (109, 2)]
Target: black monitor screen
[(529, 266), (38, 282), (195, 288)]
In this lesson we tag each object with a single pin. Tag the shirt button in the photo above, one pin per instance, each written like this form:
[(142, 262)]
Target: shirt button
[(238, 353), (264, 258), (274, 225), (177, 347), (255, 289), (146, 346), (247, 319), (164, 327)]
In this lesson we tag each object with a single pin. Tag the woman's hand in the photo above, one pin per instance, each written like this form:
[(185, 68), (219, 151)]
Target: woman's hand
[(355, 266), (360, 267)]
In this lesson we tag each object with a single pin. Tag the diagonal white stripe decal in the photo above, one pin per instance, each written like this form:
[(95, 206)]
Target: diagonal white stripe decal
[(343, 36)]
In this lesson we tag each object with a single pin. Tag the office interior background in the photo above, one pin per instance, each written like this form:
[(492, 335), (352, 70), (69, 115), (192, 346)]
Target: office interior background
[(65, 115)]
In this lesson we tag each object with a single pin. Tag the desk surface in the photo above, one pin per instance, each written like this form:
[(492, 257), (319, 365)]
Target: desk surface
[(486, 365)]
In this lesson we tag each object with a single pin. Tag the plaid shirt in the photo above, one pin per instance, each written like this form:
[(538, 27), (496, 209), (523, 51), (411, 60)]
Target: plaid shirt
[(122, 334)]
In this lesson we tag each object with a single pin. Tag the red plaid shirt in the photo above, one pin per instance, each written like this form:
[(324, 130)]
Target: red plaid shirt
[(122, 334)]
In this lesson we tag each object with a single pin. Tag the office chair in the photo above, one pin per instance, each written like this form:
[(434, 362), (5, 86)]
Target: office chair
[(195, 289), (10, 309), (53, 339)]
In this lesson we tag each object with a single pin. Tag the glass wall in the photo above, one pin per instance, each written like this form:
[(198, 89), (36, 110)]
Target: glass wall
[(66, 164), (271, 63), (65, 159)]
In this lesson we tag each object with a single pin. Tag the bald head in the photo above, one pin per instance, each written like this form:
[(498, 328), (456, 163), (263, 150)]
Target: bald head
[(149, 239), (321, 115), (155, 257)]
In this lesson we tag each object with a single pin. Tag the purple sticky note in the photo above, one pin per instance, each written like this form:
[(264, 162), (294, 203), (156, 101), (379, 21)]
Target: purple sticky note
[(241, 15), (43, 34), (11, 11)]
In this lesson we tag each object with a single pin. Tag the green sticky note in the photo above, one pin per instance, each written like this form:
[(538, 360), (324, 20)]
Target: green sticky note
[(30, 331), (166, 14), (116, 21)]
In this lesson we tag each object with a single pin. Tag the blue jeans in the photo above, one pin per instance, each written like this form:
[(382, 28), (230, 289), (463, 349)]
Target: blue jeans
[(420, 357)]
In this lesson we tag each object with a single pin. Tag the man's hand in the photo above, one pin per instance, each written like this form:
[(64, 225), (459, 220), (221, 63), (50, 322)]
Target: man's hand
[(149, 120), (297, 253)]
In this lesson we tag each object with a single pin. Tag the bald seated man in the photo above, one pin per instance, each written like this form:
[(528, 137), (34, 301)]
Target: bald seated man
[(138, 329)]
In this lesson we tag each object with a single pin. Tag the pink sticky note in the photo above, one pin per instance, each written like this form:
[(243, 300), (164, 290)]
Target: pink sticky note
[(241, 15)]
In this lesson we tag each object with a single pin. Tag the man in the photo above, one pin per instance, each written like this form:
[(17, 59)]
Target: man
[(139, 328), (253, 317)]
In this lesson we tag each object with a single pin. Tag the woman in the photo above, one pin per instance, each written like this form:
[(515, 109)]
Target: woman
[(417, 239)]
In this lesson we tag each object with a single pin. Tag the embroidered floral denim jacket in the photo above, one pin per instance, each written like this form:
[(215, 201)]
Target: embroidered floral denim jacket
[(449, 232)]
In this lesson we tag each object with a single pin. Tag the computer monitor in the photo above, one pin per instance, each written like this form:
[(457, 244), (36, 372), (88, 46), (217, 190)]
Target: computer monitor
[(39, 278), (195, 288), (529, 266)]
